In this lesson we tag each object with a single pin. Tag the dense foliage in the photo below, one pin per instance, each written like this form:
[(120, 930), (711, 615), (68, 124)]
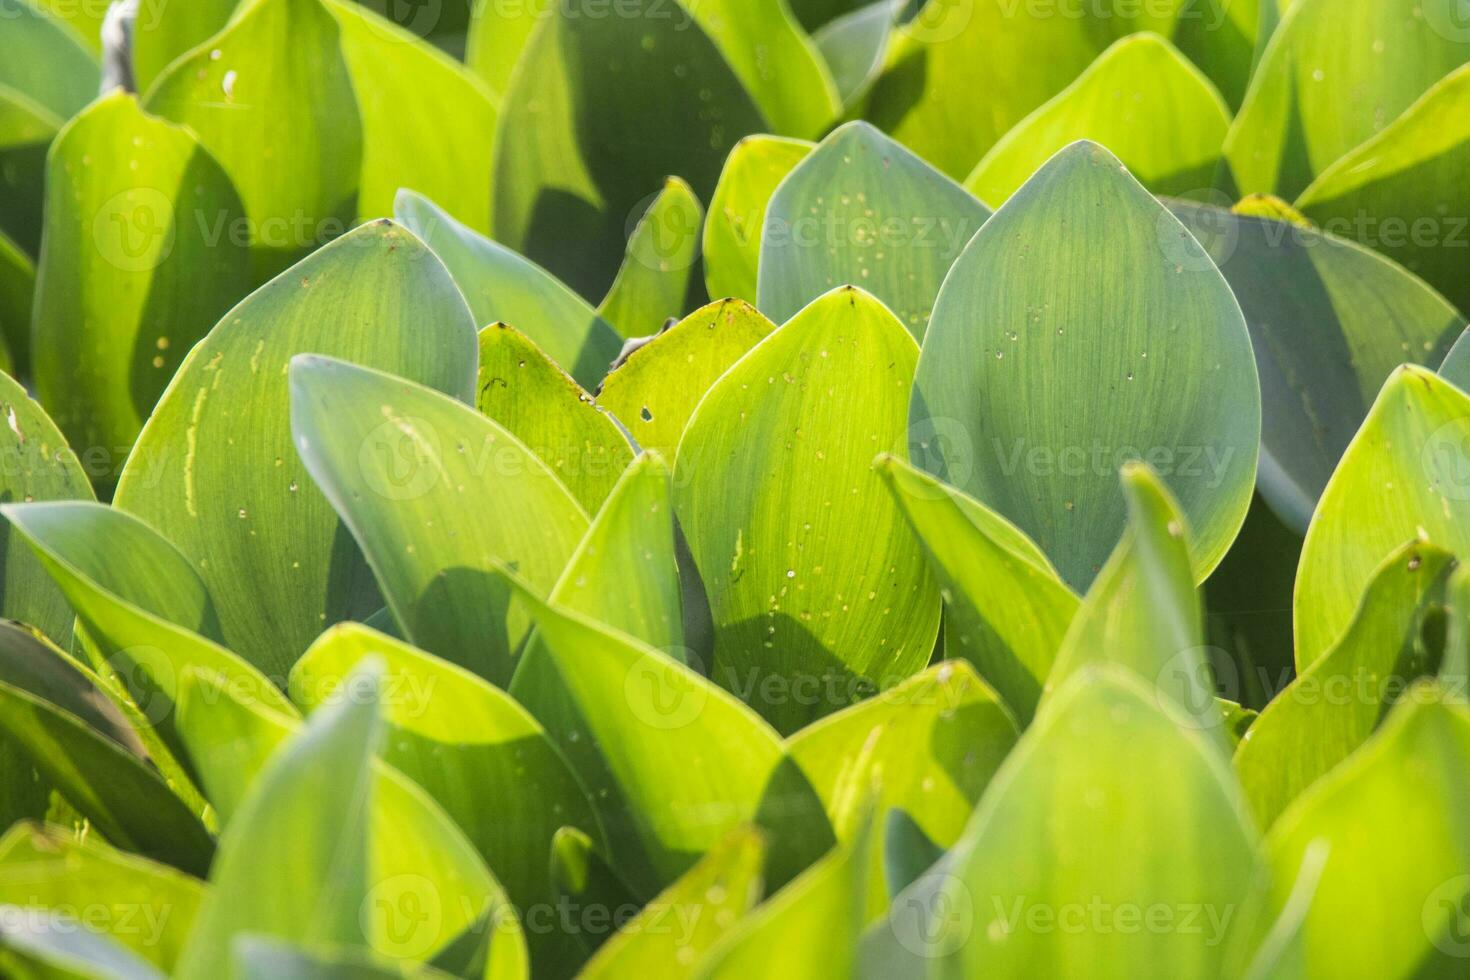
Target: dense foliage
[(714, 489)]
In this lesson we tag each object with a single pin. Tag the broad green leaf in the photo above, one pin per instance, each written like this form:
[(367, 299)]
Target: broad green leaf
[(655, 391), (215, 465), (39, 465), (146, 907), (428, 890), (1404, 476), (907, 852), (537, 402), (1337, 702), (146, 614), (130, 275), (427, 123), (809, 928), (567, 178), (310, 811), (17, 291), (928, 747), (84, 745), (473, 749), (1105, 761), (737, 212), (1335, 74), (854, 46), (45, 60), (1005, 609), (503, 287), (437, 495), (774, 58), (1403, 192), (962, 73), (1143, 612), (863, 210), (51, 946), (671, 761), (669, 936), (497, 37), (1394, 824), (818, 589), (164, 32), (1141, 99), (1081, 328), (281, 118), (656, 272), (1330, 320)]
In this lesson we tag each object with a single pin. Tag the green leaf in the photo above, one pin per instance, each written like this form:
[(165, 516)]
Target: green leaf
[(863, 210), (85, 19), (473, 749), (818, 590), (1141, 99), (671, 761), (1336, 73), (1403, 193), (310, 810), (427, 889), (45, 60), (427, 122), (437, 495), (537, 402), (1143, 612), (39, 466), (165, 32), (674, 930), (281, 118), (1337, 702), (148, 908), (146, 614), (1105, 761), (17, 290), (1329, 320), (854, 46), (655, 391), (497, 37), (1394, 825), (567, 178), (809, 928), (215, 464), (84, 745), (503, 287), (1404, 476), (130, 276), (737, 212), (655, 276), (1063, 346), (928, 747), (1005, 609)]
